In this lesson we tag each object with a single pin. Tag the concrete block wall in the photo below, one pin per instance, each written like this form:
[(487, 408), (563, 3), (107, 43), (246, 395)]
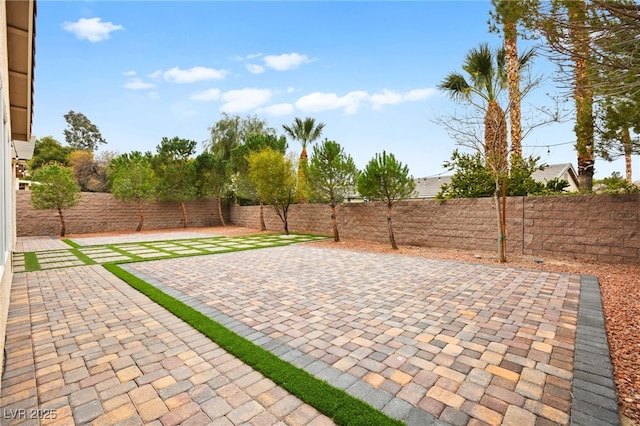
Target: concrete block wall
[(602, 228), (100, 212)]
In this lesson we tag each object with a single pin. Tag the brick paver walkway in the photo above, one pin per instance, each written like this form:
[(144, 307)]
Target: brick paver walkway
[(426, 341), (85, 348)]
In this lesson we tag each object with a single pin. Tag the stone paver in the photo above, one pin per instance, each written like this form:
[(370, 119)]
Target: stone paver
[(426, 341), (84, 348), (489, 337)]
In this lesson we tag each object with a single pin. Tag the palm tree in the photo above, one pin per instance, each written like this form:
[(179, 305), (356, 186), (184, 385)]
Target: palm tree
[(487, 79), (304, 131)]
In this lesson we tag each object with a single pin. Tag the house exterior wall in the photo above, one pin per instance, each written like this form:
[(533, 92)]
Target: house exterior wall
[(100, 212), (602, 228), (7, 204)]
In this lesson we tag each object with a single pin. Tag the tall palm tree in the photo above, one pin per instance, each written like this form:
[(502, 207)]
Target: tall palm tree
[(509, 14), (306, 132)]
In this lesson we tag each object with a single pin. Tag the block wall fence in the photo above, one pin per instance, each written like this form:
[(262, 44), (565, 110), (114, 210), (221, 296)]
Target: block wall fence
[(101, 212), (601, 228)]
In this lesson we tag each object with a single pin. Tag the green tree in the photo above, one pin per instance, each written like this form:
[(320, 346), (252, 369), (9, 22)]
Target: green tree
[(81, 133), (306, 132), (212, 178), (617, 119), (275, 179), (176, 172), (332, 176), (131, 178), (615, 184), (471, 179), (386, 179), (56, 188), (48, 150), (245, 188)]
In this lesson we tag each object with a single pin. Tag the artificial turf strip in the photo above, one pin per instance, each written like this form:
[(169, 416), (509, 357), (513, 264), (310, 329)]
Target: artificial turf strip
[(71, 243), (83, 257), (343, 408), (31, 263)]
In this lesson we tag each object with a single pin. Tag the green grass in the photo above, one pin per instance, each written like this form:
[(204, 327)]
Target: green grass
[(31, 263), (71, 243), (83, 257), (343, 408)]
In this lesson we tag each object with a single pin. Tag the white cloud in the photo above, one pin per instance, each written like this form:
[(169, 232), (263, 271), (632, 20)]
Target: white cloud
[(391, 97), (156, 75), (129, 73), (286, 61), (207, 95), (255, 69), (290, 89), (91, 29), (254, 55), (278, 109), (316, 102), (138, 84), (153, 95), (237, 101), (193, 75)]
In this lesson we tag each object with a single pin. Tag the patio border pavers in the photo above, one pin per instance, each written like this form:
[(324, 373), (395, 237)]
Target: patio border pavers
[(594, 390)]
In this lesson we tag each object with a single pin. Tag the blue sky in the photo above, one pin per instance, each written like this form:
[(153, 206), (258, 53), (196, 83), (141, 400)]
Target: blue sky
[(144, 70)]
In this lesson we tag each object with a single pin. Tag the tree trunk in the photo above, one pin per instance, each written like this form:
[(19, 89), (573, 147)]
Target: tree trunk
[(141, 214), (513, 80), (184, 214), (303, 164), (495, 138), (334, 222), (582, 94), (263, 226), (626, 143), (502, 256), (220, 211), (286, 226), (392, 238), (63, 230)]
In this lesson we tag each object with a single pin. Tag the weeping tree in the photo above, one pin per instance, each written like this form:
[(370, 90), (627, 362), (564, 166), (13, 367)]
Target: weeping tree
[(332, 176), (55, 188), (131, 178), (386, 179)]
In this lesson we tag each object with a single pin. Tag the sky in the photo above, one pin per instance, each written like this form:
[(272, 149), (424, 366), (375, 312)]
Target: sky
[(368, 70)]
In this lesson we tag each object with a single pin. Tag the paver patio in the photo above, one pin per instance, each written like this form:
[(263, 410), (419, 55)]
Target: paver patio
[(427, 341)]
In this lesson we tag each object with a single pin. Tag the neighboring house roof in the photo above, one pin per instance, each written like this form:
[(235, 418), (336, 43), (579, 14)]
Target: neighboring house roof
[(430, 186), (561, 171)]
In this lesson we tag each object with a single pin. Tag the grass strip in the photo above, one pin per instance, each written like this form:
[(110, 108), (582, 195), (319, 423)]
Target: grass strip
[(31, 263), (343, 408), (83, 257), (71, 243)]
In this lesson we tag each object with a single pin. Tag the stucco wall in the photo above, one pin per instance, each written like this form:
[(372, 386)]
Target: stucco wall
[(99, 212), (602, 228)]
